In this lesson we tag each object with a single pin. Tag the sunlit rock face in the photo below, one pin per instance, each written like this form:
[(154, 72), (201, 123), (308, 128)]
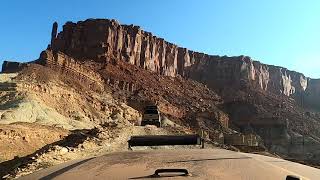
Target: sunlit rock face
[(224, 71), (102, 40)]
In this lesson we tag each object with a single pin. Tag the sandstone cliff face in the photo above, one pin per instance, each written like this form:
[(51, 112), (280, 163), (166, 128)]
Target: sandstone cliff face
[(233, 72), (67, 65), (102, 40), (11, 67)]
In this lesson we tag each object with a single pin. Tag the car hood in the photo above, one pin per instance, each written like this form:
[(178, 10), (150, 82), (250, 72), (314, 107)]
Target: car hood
[(200, 163)]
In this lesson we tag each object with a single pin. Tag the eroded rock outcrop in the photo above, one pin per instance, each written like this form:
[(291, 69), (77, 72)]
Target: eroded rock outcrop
[(102, 40), (11, 67), (54, 32), (233, 72), (67, 65)]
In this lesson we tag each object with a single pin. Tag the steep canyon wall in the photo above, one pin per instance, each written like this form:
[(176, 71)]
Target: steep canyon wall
[(102, 40)]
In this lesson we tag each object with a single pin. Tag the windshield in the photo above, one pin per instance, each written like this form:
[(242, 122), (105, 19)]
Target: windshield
[(151, 111), (79, 78)]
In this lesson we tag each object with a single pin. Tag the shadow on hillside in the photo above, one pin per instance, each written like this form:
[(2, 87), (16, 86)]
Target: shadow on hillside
[(75, 138), (12, 103)]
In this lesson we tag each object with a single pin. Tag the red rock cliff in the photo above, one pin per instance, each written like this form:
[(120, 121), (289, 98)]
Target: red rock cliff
[(102, 40)]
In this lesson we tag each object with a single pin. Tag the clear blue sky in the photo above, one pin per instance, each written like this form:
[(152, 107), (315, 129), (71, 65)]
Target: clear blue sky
[(279, 32)]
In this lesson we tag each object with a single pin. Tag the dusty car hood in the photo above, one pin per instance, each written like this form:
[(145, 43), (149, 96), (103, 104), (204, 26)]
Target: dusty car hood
[(201, 163)]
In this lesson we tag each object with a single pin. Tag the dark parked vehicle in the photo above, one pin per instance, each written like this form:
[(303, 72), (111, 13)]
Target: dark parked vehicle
[(151, 116)]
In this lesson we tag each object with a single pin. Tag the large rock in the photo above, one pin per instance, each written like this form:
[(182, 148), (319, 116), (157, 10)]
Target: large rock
[(12, 67), (102, 40), (54, 32)]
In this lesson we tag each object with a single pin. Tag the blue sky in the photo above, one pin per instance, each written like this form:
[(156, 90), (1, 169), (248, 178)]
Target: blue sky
[(279, 32)]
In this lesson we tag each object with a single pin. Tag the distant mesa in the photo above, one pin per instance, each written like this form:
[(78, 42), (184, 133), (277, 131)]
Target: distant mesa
[(12, 67), (103, 40)]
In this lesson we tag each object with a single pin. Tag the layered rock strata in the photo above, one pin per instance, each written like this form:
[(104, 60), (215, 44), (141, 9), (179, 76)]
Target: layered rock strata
[(102, 40)]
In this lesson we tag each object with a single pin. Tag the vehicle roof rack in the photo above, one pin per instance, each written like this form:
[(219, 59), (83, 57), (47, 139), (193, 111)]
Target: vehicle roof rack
[(165, 140)]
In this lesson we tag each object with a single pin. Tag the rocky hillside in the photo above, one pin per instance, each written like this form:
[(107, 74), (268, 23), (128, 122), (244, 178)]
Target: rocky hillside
[(48, 116), (98, 71), (101, 40)]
